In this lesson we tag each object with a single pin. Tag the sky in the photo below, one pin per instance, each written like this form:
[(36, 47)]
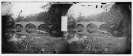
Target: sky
[(32, 8), (84, 10), (24, 8)]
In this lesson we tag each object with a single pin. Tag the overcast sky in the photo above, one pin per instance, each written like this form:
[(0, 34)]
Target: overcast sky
[(27, 8), (85, 10)]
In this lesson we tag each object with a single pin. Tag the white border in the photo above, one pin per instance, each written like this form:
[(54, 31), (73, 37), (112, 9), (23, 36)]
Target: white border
[(64, 23)]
